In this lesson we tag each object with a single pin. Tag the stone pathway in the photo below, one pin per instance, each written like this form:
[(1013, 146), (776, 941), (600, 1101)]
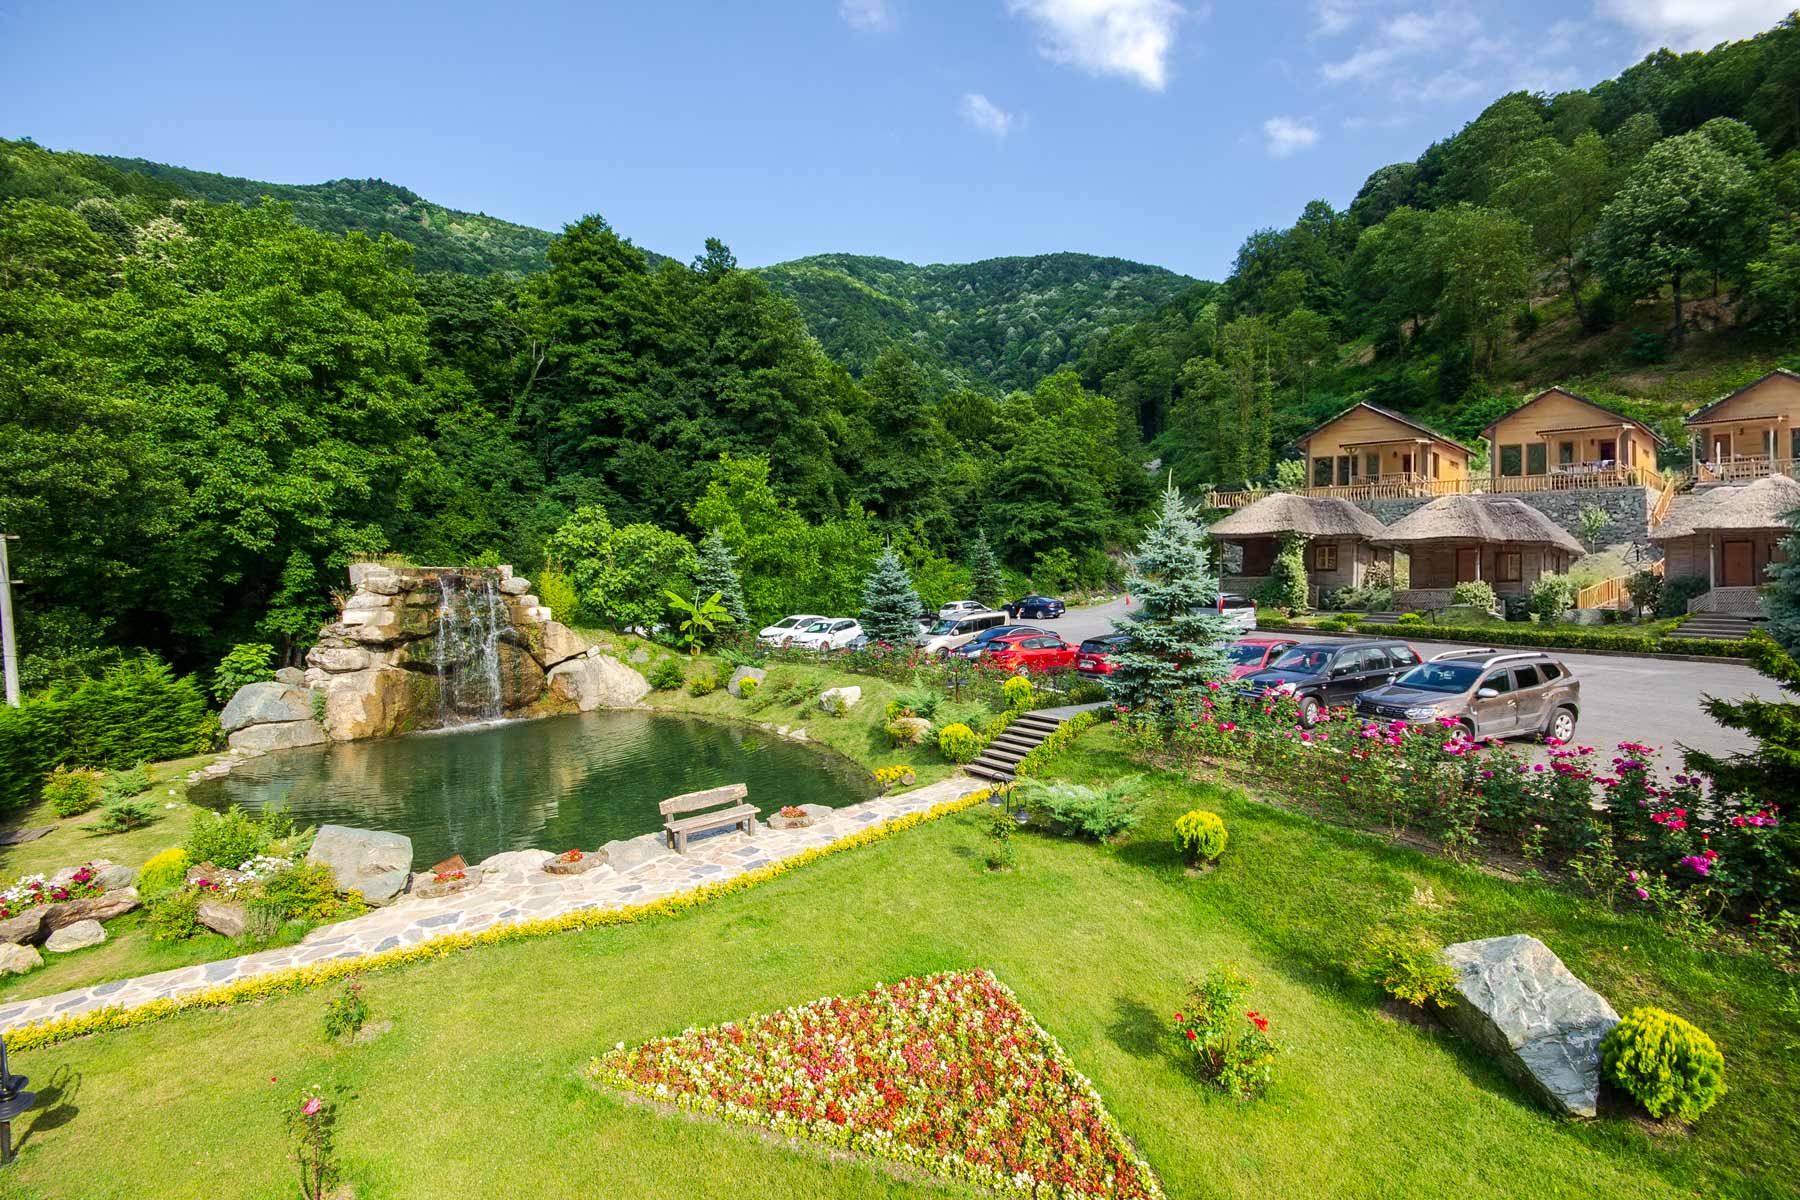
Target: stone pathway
[(513, 888)]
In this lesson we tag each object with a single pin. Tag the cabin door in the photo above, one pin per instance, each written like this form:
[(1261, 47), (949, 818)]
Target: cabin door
[(1740, 564), (1721, 447)]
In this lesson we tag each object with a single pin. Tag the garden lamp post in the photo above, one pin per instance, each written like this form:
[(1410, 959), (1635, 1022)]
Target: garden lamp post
[(15, 1101)]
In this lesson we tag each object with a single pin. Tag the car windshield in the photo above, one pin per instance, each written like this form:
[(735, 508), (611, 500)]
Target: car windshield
[(1447, 677), (1305, 660), (1243, 656), (818, 627), (1103, 645), (942, 627), (786, 623)]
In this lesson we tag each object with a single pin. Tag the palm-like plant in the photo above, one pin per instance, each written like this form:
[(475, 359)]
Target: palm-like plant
[(700, 617)]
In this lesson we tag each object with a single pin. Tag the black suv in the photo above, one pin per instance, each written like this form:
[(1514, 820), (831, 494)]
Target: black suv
[(1325, 674), (1490, 693)]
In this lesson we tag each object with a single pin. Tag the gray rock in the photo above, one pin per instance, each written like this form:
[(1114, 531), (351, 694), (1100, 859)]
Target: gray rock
[(289, 735), (78, 936), (640, 655), (265, 703), (602, 682), (1519, 1003), (16, 960), (515, 585), (383, 585), (363, 601), (28, 926), (635, 852), (67, 874), (840, 699), (515, 860), (742, 673), (113, 876), (292, 676), (223, 916), (103, 907), (338, 659), (362, 572), (817, 812), (369, 861)]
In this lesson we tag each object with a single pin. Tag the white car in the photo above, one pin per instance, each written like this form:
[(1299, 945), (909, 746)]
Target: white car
[(828, 634), (950, 632), (783, 631), (961, 608)]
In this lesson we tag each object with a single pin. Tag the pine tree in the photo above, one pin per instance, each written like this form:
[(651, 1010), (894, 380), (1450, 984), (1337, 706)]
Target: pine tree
[(1782, 596), (986, 583), (890, 607), (1177, 636), (716, 571)]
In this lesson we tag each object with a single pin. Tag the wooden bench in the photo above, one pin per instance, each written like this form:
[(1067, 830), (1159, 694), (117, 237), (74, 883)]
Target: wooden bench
[(677, 828)]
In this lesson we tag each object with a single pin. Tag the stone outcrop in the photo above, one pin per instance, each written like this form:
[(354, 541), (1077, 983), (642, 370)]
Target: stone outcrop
[(369, 861), (16, 960), (78, 936), (840, 699), (223, 916), (103, 907), (271, 716), (742, 673), (1519, 1003), (597, 681), (27, 927)]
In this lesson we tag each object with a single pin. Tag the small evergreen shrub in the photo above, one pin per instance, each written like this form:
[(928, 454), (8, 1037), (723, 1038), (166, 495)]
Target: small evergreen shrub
[(1551, 595), (175, 916), (165, 871), (1000, 828), (747, 687), (123, 816), (346, 1013), (306, 891), (1093, 812), (1664, 1063), (71, 791), (1286, 586), (1478, 592), (703, 684), (1200, 835), (1407, 968), (122, 785), (958, 743), (1676, 593), (245, 664), (667, 675), (233, 837), (1017, 692), (910, 734)]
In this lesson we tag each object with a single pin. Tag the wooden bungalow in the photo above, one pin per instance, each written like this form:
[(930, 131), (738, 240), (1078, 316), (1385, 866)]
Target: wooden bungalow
[(1459, 539), (1558, 440), (1728, 535), (1366, 450), (1752, 433), (1340, 540)]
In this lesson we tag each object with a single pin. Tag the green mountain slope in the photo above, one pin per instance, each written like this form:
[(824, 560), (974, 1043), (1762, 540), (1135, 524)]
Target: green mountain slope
[(1004, 322)]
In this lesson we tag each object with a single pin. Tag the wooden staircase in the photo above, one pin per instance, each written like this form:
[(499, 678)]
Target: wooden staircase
[(1023, 736)]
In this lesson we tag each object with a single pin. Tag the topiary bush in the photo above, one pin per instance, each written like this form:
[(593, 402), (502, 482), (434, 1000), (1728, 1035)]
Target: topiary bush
[(958, 743), (667, 675), (1478, 592), (1017, 692), (1200, 835), (1407, 968), (164, 872), (71, 791), (1665, 1063)]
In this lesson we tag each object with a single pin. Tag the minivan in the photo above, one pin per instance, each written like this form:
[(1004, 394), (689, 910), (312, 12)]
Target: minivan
[(948, 633)]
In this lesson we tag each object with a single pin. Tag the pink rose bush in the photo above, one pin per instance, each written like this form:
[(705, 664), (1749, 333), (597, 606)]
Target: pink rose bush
[(29, 891), (946, 1072)]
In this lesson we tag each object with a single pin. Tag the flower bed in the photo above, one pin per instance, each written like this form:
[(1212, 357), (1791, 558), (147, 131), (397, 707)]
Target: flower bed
[(946, 1072), (30, 891), (1520, 633)]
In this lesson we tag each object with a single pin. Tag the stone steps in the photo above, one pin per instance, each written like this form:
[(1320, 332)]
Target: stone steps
[(1006, 751), (1715, 627)]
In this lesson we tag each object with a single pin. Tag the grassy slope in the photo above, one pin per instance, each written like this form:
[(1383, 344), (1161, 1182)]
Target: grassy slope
[(479, 1077)]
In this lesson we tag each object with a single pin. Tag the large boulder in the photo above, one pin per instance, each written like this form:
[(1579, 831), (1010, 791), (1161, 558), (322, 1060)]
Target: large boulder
[(840, 700), (742, 673), (369, 861), (78, 936), (1518, 1002), (379, 702), (16, 960), (265, 704), (223, 916), (597, 681), (560, 643), (103, 907), (27, 926), (521, 678), (289, 735)]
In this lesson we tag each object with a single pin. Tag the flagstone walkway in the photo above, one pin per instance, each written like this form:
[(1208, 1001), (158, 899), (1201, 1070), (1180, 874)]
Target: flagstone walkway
[(514, 888)]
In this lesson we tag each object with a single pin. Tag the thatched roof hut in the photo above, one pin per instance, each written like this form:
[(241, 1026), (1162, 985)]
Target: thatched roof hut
[(1764, 504), (1729, 536), (1310, 516), (1484, 519)]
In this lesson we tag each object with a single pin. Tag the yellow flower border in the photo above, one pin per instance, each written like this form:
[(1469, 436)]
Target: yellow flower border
[(42, 1034)]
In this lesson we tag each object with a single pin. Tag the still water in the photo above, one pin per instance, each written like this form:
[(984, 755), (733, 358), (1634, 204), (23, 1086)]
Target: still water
[(551, 784)]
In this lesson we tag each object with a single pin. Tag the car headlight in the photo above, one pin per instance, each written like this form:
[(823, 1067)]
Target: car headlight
[(1421, 713)]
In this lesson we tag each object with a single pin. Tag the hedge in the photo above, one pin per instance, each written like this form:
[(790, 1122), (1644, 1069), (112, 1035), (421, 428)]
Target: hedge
[(1565, 637)]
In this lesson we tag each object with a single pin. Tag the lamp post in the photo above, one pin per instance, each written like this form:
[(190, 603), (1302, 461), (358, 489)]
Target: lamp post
[(9, 645), (15, 1101)]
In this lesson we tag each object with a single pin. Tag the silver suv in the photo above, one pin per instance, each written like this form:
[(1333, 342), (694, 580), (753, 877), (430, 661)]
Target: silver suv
[(1490, 693)]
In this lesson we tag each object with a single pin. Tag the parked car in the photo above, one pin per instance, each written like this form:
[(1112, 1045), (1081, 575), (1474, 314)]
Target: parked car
[(950, 632), (1491, 693), (832, 634), (975, 645), (1322, 675), (958, 608), (1035, 608), (783, 631), (1249, 655), (1094, 656), (1240, 611), (1023, 652)]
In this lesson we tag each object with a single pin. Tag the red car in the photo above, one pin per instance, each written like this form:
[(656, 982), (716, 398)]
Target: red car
[(1095, 655), (1029, 652), (1252, 654)]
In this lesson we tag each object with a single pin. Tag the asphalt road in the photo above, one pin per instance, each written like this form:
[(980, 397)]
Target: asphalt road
[(1649, 700)]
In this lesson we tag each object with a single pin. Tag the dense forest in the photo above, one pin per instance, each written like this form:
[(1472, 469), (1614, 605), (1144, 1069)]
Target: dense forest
[(209, 404)]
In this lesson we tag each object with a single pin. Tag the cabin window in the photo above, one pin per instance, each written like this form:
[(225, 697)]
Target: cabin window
[(1768, 443), (1507, 566), (1321, 472), (1512, 460), (1343, 465), (1325, 556), (1406, 467), (1565, 454), (1537, 459), (1372, 462)]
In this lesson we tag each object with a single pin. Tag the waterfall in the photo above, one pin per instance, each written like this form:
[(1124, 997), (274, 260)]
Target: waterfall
[(466, 650)]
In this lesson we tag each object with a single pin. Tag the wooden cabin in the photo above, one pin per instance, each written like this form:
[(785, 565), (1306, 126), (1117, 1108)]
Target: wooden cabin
[(1367, 445), (1558, 439), (1752, 433)]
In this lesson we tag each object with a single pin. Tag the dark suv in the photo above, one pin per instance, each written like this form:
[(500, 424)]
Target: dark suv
[(1324, 674), (1491, 693)]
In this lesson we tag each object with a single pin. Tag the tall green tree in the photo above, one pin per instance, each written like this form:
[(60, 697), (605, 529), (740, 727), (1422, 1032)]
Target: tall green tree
[(890, 606), (1559, 189), (716, 571), (986, 583)]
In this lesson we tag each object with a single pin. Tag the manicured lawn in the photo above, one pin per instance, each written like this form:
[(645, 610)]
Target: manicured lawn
[(477, 1088)]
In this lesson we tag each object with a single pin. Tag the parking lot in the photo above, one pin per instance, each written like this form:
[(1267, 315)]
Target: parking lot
[(1655, 701)]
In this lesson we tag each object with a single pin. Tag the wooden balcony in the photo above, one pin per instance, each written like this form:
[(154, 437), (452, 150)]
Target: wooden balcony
[(1744, 468), (1575, 477)]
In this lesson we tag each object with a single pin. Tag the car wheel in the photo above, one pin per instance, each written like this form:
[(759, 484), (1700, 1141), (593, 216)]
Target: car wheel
[(1561, 727), (787, 643), (1309, 711), (1468, 729)]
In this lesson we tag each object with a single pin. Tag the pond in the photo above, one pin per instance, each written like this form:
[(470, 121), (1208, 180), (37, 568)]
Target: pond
[(550, 784)]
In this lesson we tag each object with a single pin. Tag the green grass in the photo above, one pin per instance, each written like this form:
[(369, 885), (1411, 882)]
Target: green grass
[(478, 1086)]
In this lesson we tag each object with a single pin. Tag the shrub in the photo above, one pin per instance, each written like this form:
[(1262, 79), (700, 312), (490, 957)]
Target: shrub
[(1407, 968), (1478, 592), (165, 871), (958, 743), (346, 1013), (1677, 592), (1232, 1043), (1098, 813), (556, 593), (1286, 586), (1411, 618), (667, 675), (1017, 692), (909, 734), (703, 684), (1000, 828), (1551, 595), (1200, 835), (1646, 590), (123, 816), (124, 784), (1664, 1063), (747, 687), (246, 663), (233, 837), (305, 891), (72, 791), (175, 916)]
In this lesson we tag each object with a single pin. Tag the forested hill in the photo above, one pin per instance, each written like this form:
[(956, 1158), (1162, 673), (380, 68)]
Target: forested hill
[(1002, 322)]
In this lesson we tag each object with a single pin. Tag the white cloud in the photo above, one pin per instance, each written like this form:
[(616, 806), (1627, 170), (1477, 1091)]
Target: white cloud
[(1432, 30), (1332, 17), (1289, 135), (1106, 37), (869, 16), (1694, 24), (987, 116)]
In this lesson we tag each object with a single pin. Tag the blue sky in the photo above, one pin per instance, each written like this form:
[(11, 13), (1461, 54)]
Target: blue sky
[(1158, 130)]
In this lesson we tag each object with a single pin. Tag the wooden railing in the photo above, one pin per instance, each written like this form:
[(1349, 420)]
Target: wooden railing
[(1578, 478), (1745, 468), (1660, 509), (1608, 593), (1418, 487)]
